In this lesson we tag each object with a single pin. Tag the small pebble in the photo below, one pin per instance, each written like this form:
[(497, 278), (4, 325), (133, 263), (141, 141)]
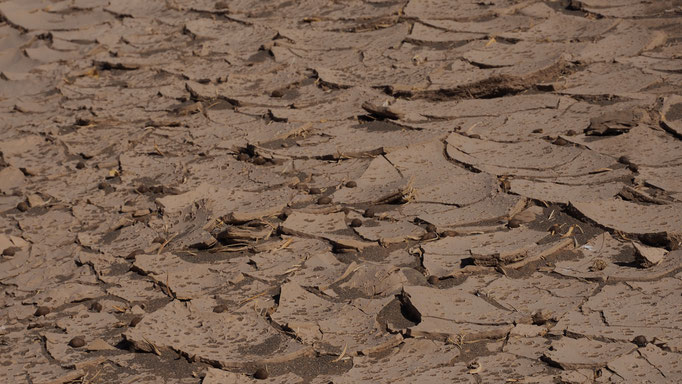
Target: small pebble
[(574, 5), (243, 157), (42, 311), (356, 223), (23, 206), (624, 160), (96, 306), (538, 130), (77, 342), (633, 167), (571, 133), (324, 200), (303, 176), (514, 223), (315, 191), (475, 136), (430, 236), (369, 212), (431, 228), (351, 184), (261, 374), (449, 233), (640, 341), (285, 213), (259, 160), (102, 185), (540, 318), (277, 93), (220, 308), (560, 141), (80, 165), (11, 251), (433, 280)]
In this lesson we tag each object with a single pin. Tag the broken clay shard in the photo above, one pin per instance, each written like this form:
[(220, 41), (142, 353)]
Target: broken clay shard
[(649, 256), (653, 224), (382, 111)]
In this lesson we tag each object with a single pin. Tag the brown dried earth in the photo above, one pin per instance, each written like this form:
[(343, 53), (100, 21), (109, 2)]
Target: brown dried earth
[(383, 191)]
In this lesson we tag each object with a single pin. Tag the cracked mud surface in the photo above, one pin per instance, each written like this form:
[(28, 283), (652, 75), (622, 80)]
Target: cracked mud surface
[(354, 191)]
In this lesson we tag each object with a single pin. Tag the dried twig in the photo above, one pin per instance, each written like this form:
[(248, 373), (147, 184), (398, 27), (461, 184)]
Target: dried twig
[(166, 243), (343, 353), (154, 348)]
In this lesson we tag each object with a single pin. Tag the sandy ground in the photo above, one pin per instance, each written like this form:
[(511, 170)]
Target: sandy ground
[(345, 191)]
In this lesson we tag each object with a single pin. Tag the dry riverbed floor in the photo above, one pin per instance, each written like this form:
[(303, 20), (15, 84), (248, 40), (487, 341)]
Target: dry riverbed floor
[(381, 191)]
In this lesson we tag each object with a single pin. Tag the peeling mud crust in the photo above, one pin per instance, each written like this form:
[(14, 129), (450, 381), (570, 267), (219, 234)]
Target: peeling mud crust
[(384, 191)]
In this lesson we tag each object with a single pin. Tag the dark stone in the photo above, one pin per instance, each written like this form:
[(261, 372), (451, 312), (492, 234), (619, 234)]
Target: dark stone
[(220, 308), (261, 374), (285, 213), (324, 200), (430, 236), (574, 5), (369, 212), (514, 223), (449, 233), (640, 341), (560, 141), (77, 342)]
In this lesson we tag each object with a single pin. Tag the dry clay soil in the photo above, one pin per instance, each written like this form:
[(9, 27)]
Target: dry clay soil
[(384, 191)]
